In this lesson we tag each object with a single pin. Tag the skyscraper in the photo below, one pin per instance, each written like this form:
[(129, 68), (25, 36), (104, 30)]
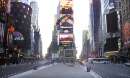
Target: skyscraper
[(21, 14), (86, 48), (111, 24), (34, 27), (65, 21), (95, 19)]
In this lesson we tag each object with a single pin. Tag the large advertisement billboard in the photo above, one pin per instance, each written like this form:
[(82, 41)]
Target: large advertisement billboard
[(66, 7), (66, 3), (66, 38), (66, 11), (66, 30), (126, 34), (66, 21), (3, 5)]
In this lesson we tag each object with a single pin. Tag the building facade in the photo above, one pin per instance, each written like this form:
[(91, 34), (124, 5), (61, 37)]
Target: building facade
[(64, 24), (86, 48), (111, 25), (4, 12), (34, 27), (21, 14), (23, 1), (34, 17), (125, 27), (96, 28)]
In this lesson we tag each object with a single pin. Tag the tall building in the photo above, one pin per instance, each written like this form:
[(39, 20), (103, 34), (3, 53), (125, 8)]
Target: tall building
[(64, 24), (54, 47), (37, 44), (111, 25), (34, 17), (21, 14), (40, 47), (86, 50), (125, 27), (96, 28), (4, 11), (34, 26), (23, 1)]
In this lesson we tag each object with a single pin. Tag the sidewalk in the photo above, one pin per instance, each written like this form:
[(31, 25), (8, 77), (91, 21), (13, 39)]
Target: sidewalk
[(127, 64), (9, 70)]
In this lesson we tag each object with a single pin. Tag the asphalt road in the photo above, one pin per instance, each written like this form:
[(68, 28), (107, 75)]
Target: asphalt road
[(57, 71), (112, 70)]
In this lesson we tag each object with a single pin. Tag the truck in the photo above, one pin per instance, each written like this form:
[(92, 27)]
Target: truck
[(69, 56)]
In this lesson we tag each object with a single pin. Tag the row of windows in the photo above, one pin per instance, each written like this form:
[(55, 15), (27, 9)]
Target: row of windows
[(22, 8), (20, 5), (3, 3)]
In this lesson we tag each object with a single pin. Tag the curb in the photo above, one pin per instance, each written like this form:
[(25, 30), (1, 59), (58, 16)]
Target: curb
[(127, 64)]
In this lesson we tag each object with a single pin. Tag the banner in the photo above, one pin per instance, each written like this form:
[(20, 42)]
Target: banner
[(126, 34), (17, 36)]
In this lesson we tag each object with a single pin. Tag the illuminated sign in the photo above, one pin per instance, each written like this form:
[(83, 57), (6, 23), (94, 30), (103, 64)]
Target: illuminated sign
[(17, 36), (3, 5), (66, 30), (66, 38), (65, 21), (69, 21), (66, 3), (66, 11), (126, 33)]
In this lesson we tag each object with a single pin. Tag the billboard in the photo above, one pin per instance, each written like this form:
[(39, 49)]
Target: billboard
[(66, 3), (66, 30), (66, 38), (66, 11), (65, 21), (18, 36), (3, 5), (126, 33)]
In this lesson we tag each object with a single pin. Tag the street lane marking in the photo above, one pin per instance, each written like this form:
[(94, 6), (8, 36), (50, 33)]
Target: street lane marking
[(94, 74), (29, 72)]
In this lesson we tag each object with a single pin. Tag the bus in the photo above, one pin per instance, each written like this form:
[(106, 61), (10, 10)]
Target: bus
[(99, 60)]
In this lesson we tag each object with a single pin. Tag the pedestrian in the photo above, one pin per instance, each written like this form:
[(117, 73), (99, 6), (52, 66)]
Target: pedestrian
[(88, 65)]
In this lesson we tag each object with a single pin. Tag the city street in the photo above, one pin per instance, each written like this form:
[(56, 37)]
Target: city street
[(9, 70), (77, 71), (64, 38), (112, 70), (58, 71)]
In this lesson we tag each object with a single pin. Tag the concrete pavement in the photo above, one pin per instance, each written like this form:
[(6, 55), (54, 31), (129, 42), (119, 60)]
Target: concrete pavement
[(9, 70), (112, 70), (58, 71), (127, 64)]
